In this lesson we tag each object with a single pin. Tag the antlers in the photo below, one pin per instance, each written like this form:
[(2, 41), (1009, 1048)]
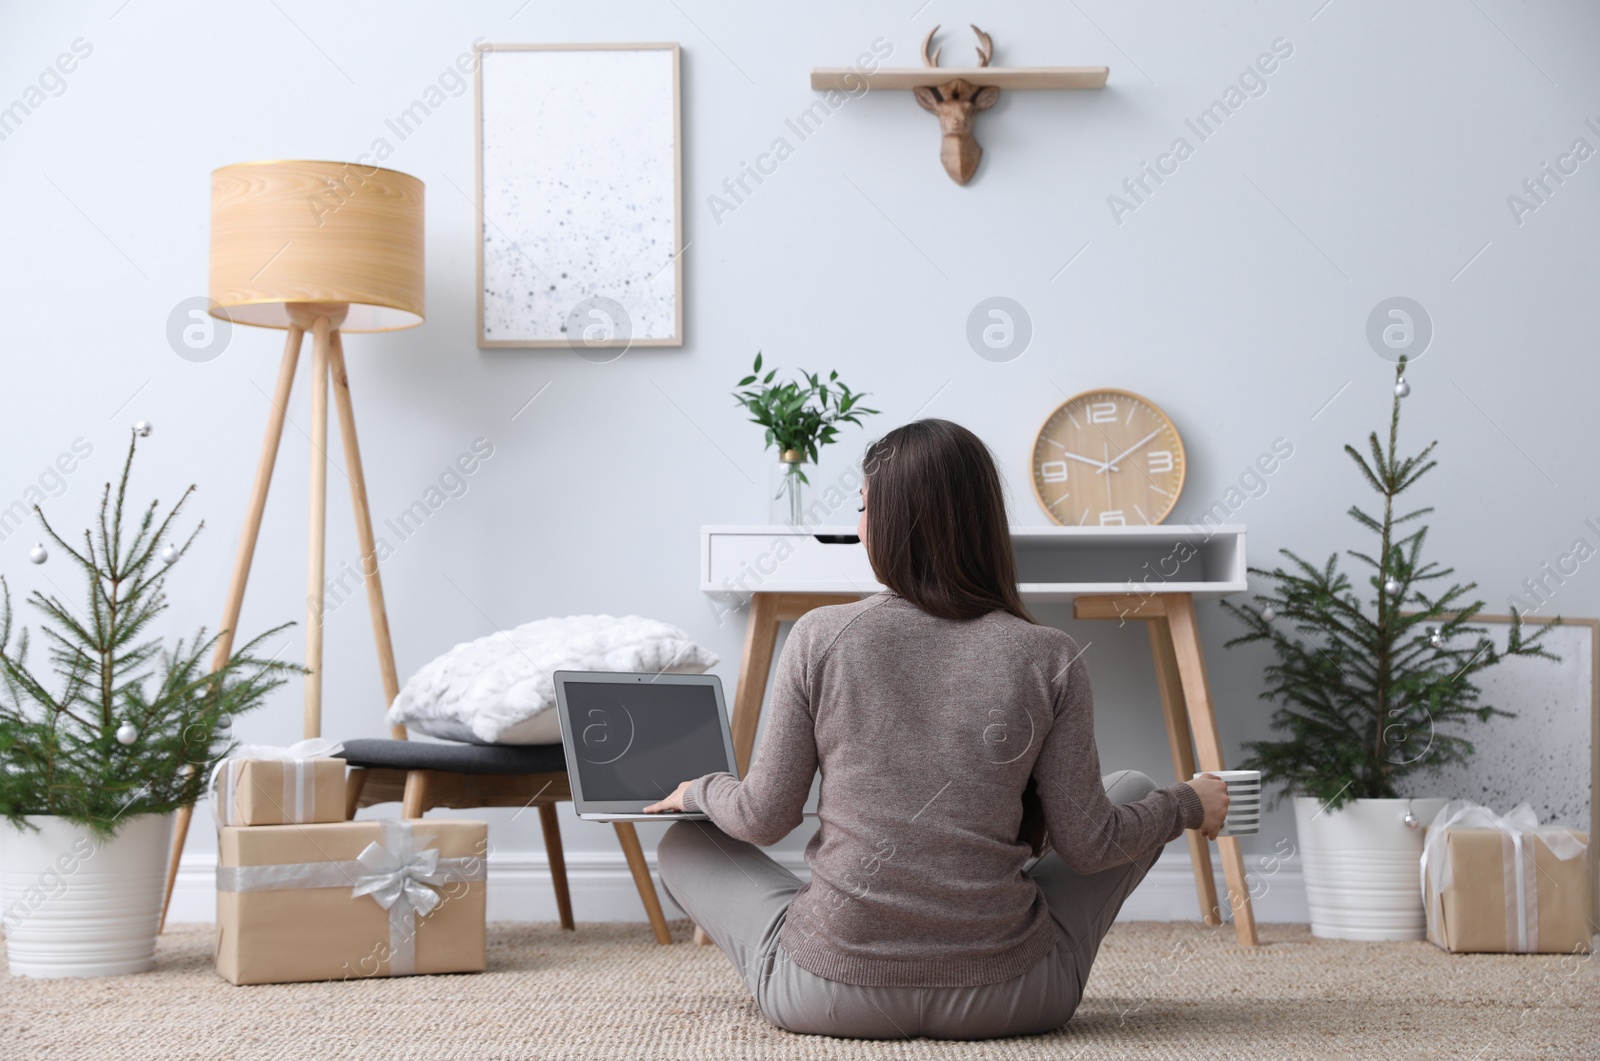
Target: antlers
[(985, 48)]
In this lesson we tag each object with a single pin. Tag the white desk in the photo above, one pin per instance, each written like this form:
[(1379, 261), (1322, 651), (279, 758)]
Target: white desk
[(1149, 574)]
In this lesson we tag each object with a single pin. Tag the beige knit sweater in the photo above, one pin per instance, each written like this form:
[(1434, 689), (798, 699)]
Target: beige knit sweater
[(926, 732)]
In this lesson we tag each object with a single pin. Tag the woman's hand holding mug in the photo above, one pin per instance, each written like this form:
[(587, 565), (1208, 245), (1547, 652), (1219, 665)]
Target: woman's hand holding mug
[(1213, 793)]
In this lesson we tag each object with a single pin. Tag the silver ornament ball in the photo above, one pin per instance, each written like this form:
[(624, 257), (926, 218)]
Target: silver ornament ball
[(1411, 821), (1391, 587), (169, 555), (126, 734), (1402, 388), (1436, 640), (37, 554), (1269, 613), (142, 428)]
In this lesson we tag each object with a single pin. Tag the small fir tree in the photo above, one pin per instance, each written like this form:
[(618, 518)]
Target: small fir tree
[(1368, 688), (132, 724)]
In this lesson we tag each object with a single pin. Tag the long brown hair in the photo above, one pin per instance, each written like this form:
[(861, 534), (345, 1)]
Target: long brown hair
[(936, 522)]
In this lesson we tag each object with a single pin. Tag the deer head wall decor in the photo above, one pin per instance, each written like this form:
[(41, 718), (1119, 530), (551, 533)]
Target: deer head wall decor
[(957, 103), (957, 94)]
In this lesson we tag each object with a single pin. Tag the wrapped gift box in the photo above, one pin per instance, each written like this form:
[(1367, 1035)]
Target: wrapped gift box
[(1505, 884), (278, 791), (350, 899)]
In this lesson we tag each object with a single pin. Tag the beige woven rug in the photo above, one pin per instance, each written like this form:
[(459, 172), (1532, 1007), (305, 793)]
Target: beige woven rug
[(1159, 990)]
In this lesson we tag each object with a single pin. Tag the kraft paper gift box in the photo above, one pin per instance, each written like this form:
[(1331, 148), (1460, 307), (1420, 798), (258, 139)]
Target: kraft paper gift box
[(350, 900), (1505, 884), (264, 785)]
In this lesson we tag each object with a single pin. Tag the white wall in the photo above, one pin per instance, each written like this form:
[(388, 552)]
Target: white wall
[(1377, 163)]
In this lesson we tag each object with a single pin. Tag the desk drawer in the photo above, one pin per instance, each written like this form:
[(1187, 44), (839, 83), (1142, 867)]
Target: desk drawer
[(738, 560)]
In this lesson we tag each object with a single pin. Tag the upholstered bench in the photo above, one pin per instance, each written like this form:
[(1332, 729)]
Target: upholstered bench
[(421, 775)]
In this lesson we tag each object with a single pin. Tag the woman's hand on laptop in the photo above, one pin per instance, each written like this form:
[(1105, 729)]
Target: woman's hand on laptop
[(674, 802)]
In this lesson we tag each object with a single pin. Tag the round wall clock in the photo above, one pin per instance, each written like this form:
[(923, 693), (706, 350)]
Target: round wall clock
[(1107, 458)]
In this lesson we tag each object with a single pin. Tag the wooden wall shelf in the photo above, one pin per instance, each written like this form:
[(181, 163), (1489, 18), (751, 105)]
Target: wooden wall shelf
[(957, 94), (1013, 77)]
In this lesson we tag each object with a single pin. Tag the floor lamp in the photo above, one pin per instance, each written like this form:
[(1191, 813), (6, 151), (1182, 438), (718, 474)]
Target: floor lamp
[(324, 248)]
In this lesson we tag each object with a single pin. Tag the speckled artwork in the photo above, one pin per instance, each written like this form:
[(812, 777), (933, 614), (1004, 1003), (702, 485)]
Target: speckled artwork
[(579, 197), (1541, 757)]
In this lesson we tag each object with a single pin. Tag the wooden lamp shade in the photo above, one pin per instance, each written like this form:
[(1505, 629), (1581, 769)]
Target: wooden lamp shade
[(290, 233)]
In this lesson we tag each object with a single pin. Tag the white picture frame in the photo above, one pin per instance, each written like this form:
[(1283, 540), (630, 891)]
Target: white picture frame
[(579, 196)]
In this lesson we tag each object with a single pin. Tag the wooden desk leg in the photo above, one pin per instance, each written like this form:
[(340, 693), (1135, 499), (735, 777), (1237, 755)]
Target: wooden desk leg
[(760, 640), (1170, 683), (628, 837), (1185, 633), (767, 610)]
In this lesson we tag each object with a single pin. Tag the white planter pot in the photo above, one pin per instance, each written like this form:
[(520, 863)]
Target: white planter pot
[(73, 906), (1362, 867)]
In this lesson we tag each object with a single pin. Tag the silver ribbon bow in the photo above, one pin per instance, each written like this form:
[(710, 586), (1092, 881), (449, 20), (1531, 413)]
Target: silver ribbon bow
[(398, 878), (1517, 826), (299, 782)]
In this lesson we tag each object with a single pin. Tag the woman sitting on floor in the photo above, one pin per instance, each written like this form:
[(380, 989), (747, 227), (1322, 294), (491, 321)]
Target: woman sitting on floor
[(955, 738)]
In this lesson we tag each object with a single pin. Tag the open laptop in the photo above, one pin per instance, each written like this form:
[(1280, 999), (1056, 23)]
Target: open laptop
[(632, 738)]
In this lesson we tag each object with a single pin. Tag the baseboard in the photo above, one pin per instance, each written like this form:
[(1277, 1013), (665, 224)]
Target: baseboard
[(602, 890)]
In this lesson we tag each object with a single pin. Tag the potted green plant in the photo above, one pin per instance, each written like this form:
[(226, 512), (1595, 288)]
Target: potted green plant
[(1369, 685), (799, 418), (98, 754)]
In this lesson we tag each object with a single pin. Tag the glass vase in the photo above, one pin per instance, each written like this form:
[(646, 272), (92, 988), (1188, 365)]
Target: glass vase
[(786, 495)]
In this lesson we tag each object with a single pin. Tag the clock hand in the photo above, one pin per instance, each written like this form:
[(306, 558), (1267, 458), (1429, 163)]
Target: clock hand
[(1112, 462), (1087, 460), (1106, 464)]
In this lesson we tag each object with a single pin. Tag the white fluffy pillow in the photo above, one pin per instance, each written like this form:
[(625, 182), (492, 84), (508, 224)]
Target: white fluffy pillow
[(498, 689)]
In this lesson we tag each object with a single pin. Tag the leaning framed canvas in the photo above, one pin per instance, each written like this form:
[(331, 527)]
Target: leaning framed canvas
[(580, 209), (1549, 754)]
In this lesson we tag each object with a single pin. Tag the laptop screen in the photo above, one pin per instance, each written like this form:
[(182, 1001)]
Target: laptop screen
[(638, 741)]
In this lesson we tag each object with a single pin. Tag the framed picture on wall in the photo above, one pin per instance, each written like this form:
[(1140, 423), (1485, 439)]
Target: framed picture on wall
[(580, 208)]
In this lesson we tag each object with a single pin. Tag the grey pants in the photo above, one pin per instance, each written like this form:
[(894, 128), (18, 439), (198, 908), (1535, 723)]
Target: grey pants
[(739, 897)]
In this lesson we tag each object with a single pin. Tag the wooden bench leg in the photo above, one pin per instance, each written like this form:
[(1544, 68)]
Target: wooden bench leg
[(628, 837), (558, 863), (354, 782), (414, 804)]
